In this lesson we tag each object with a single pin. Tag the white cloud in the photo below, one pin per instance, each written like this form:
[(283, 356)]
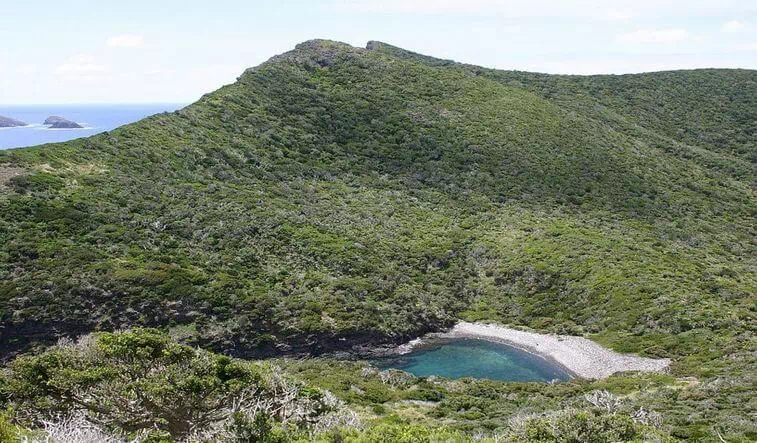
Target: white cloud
[(630, 64), (82, 58), (590, 9), (734, 26), (125, 41), (653, 36), (226, 72), (160, 72), (27, 69), (747, 47), (71, 68), (618, 14), (80, 64)]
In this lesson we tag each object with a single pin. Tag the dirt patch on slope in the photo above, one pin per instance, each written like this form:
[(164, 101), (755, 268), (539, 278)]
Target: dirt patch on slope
[(8, 172)]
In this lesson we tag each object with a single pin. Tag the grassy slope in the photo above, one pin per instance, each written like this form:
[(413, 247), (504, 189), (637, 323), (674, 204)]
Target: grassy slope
[(374, 195)]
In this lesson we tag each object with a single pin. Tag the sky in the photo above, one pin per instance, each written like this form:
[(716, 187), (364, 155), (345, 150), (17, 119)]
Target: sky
[(173, 51)]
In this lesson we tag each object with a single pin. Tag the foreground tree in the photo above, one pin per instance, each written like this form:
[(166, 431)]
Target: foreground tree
[(141, 381)]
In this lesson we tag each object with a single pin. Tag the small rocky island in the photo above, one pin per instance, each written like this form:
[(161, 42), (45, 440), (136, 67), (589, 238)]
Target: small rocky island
[(7, 122), (56, 122)]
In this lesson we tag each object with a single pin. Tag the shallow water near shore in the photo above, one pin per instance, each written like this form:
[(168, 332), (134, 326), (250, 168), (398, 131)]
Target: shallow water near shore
[(464, 357)]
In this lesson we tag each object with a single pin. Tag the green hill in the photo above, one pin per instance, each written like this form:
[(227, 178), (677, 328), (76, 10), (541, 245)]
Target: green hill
[(336, 196)]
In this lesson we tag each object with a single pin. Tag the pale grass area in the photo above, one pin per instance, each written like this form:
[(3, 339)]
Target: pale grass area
[(72, 168), (8, 172)]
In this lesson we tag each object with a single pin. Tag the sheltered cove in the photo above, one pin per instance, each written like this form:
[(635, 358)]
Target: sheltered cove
[(580, 356)]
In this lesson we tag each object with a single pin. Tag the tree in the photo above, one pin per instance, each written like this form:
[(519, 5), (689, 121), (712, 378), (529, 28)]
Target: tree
[(141, 380)]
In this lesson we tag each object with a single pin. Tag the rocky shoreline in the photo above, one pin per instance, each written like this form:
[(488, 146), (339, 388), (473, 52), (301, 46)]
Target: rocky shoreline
[(580, 356)]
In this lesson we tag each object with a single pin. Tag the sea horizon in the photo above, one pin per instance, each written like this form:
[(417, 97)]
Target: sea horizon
[(94, 117)]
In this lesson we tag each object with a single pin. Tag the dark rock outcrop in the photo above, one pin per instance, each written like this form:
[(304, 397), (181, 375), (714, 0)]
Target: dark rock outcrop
[(65, 125), (56, 122), (7, 122), (54, 119)]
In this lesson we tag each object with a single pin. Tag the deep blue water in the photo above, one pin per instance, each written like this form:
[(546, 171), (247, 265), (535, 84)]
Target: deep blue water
[(94, 118), (475, 358)]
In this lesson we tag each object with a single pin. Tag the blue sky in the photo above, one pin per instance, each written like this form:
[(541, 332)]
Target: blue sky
[(140, 51)]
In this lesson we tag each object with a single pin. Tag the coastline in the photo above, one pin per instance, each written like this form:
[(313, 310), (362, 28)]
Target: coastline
[(580, 356)]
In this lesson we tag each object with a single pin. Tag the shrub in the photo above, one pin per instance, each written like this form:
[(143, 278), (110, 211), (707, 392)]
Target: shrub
[(8, 432), (577, 426), (138, 380)]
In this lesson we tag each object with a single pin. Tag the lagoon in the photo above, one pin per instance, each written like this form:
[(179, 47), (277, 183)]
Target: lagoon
[(470, 357)]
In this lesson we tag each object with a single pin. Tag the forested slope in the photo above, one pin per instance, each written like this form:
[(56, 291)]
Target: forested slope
[(348, 192), (337, 196)]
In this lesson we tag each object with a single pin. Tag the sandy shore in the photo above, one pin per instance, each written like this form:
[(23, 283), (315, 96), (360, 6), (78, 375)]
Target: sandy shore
[(579, 355)]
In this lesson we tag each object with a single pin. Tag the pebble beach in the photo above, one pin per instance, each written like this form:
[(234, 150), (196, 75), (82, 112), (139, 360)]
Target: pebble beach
[(582, 357)]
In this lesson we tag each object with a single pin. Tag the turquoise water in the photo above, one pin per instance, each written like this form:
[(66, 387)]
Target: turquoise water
[(475, 358)]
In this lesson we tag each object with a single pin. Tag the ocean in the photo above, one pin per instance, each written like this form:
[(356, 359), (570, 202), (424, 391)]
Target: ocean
[(94, 118)]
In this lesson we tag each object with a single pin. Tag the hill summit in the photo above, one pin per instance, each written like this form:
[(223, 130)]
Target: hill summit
[(337, 196)]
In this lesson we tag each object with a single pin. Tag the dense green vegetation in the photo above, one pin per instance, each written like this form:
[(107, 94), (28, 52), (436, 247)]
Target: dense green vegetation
[(336, 196), (140, 385)]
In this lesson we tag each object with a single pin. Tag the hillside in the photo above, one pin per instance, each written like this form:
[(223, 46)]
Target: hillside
[(337, 196)]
